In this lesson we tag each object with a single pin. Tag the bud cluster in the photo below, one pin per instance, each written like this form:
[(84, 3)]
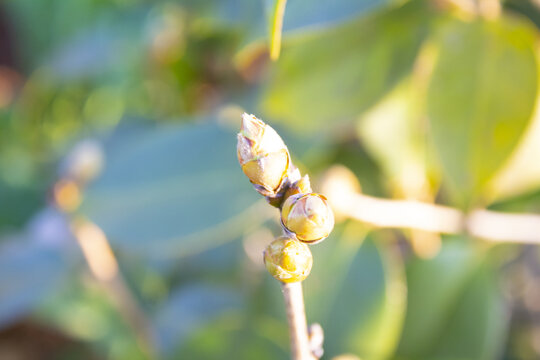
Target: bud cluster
[(306, 217)]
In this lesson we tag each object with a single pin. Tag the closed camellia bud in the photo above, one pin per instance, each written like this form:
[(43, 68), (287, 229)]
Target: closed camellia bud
[(288, 260), (308, 217), (263, 156), (302, 186)]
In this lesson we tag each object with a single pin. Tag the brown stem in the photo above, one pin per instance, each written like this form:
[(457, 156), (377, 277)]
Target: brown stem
[(296, 317)]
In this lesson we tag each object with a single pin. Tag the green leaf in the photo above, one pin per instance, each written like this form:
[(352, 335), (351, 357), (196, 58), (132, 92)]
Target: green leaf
[(404, 163), (258, 331), (173, 191), (188, 310), (18, 203), (82, 310), (477, 328), (301, 15), (521, 173), (332, 77), (526, 203), (481, 97), (435, 286), (357, 292), (309, 15), (237, 337), (29, 273), (243, 13)]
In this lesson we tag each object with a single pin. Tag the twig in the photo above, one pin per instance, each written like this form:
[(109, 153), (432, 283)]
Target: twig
[(485, 224), (296, 317), (489, 9)]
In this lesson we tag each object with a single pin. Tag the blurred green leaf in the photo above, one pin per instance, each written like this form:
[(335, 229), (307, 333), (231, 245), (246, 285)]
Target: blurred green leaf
[(405, 162), (357, 292), (83, 310), (189, 309), (478, 326), (28, 274), (105, 49), (438, 291), (525, 8), (173, 191), (309, 15), (258, 331), (521, 173), (352, 155), (481, 98), (18, 204), (239, 338), (329, 79), (526, 203), (236, 13), (300, 15), (66, 19)]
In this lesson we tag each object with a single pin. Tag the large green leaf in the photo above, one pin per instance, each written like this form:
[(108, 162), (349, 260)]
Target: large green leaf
[(29, 273), (529, 202), (357, 292), (237, 337), (188, 310), (454, 308), (405, 162), (82, 310), (477, 328), (300, 15), (258, 330), (173, 191), (433, 287), (481, 98), (331, 78), (69, 18), (18, 203), (306, 14), (521, 173)]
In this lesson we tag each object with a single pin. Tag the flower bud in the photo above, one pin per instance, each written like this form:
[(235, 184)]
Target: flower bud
[(263, 156), (302, 186), (308, 217), (288, 260)]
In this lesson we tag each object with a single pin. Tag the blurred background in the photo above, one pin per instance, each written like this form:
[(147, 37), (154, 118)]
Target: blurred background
[(128, 231)]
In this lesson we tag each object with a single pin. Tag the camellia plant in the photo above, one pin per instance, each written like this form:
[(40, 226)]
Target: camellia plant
[(417, 120), (306, 218)]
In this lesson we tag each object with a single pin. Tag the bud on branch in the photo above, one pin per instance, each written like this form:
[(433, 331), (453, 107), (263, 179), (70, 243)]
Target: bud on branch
[(263, 156), (288, 260), (306, 217)]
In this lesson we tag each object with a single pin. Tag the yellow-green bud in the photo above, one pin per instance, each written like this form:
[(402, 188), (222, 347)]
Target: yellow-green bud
[(263, 156), (302, 186), (308, 217), (288, 260)]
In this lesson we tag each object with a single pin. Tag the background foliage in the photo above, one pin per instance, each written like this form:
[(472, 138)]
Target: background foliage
[(426, 100)]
